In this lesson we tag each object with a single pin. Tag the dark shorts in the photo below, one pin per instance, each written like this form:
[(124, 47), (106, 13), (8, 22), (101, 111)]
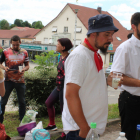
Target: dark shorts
[(74, 135)]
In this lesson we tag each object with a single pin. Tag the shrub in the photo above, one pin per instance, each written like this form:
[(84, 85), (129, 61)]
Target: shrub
[(37, 91), (46, 61)]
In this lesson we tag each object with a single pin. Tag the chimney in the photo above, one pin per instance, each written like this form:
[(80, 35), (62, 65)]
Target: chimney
[(99, 9)]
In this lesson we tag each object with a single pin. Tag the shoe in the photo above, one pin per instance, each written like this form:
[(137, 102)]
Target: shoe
[(62, 137), (54, 128)]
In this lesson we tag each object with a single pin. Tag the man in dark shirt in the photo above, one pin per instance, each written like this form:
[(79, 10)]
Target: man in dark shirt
[(14, 57)]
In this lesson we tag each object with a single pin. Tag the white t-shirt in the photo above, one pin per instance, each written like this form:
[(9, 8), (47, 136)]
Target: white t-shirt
[(80, 69), (127, 61)]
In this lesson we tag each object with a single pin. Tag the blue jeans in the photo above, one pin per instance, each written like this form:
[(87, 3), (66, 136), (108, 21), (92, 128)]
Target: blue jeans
[(20, 89), (74, 135)]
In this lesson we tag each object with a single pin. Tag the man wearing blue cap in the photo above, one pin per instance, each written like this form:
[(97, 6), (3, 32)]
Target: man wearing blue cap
[(85, 89)]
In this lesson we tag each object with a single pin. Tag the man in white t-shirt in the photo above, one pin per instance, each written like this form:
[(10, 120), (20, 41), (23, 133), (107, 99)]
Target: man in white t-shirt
[(85, 88), (127, 61)]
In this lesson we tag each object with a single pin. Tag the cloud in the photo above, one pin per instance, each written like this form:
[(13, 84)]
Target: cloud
[(98, 4), (137, 4), (122, 8), (126, 24), (47, 10), (31, 10), (123, 13)]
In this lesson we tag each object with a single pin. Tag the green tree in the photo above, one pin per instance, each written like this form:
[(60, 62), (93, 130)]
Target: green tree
[(4, 24), (33, 24), (38, 25), (26, 24), (46, 62), (18, 22), (12, 25)]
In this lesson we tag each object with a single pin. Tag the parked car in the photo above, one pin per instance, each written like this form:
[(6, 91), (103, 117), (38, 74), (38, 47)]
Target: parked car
[(107, 71)]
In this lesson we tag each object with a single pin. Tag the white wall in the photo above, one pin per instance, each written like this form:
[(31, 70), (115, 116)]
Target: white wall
[(60, 22), (6, 42)]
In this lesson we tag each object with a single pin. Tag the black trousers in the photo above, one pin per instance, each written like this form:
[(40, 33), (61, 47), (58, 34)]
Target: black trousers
[(129, 108)]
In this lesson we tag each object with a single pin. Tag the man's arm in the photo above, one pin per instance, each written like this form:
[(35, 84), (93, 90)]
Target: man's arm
[(2, 89), (26, 67), (3, 67), (125, 80), (2, 59), (75, 108)]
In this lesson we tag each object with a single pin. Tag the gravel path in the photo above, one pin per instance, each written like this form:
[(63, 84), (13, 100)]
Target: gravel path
[(9, 106)]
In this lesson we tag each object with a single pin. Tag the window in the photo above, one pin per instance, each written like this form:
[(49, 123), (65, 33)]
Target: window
[(65, 29), (111, 57), (45, 40), (78, 41), (54, 29), (110, 47), (78, 30), (2, 42), (118, 38), (23, 41), (50, 41)]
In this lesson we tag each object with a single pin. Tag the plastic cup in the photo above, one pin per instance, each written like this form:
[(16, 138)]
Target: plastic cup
[(20, 68), (116, 77)]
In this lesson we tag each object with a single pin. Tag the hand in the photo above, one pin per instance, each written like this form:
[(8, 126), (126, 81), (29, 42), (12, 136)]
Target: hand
[(120, 82), (109, 79), (23, 70), (6, 68), (83, 132)]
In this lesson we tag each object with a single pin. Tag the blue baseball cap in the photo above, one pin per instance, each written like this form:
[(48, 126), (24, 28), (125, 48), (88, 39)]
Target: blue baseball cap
[(101, 23)]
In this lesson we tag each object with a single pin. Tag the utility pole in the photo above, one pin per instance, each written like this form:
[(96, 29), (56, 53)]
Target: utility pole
[(76, 11)]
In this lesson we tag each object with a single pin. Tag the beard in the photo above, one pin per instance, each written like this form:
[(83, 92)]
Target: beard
[(102, 48), (138, 33), (15, 48)]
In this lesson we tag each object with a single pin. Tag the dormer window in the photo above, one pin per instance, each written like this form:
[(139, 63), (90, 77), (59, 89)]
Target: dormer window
[(118, 38)]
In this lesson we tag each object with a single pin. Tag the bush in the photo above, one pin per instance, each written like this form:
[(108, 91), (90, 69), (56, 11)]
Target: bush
[(37, 91), (46, 61)]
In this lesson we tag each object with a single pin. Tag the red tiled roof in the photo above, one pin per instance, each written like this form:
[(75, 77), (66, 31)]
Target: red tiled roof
[(21, 33), (85, 13), (130, 31), (23, 28)]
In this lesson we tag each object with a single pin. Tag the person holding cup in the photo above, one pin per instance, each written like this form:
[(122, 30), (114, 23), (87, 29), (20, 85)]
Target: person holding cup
[(126, 61), (14, 58)]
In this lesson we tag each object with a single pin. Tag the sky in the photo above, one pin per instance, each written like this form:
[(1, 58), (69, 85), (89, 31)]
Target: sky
[(46, 10)]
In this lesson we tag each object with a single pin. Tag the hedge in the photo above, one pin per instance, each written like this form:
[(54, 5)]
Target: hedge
[(37, 91)]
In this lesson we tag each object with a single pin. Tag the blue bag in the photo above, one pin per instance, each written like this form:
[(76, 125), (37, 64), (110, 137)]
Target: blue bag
[(41, 134)]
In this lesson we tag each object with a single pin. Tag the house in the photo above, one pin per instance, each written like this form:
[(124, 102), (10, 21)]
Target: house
[(21, 28), (64, 26), (25, 35)]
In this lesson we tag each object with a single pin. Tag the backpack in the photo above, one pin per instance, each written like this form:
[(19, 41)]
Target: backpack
[(3, 135), (41, 134)]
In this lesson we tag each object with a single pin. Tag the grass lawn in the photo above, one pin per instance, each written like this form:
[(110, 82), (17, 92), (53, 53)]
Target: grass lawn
[(11, 121)]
